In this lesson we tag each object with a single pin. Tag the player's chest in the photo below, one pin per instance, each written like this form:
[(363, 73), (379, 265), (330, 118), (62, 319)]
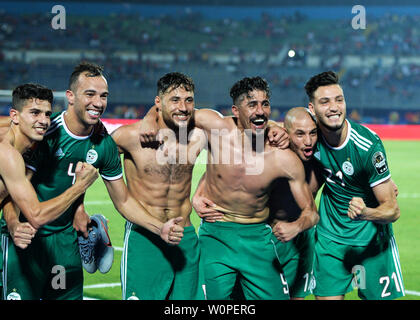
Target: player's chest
[(342, 167), (169, 153), (63, 153), (253, 179), (158, 166)]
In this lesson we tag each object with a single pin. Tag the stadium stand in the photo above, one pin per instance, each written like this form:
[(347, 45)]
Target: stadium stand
[(379, 65)]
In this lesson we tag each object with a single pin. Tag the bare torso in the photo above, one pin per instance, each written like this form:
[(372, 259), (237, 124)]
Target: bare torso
[(162, 188), (241, 189)]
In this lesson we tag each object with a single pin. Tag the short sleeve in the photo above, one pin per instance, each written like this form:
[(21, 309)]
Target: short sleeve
[(111, 168), (377, 165)]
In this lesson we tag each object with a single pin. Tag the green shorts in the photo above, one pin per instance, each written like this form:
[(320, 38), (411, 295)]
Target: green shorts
[(151, 269), (50, 268), (374, 269), (296, 260), (231, 249)]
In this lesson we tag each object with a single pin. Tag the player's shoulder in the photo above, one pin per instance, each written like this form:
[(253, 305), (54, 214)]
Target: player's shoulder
[(56, 123), (280, 152), (285, 158), (9, 156), (128, 130), (362, 137), (363, 132), (127, 133)]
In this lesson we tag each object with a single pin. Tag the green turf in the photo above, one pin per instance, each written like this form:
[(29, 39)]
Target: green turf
[(404, 162)]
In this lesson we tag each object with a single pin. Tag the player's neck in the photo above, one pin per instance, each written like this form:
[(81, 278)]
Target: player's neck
[(335, 138), (75, 126), (18, 140)]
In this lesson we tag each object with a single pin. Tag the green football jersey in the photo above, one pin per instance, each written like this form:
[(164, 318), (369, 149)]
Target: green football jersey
[(351, 170), (55, 159)]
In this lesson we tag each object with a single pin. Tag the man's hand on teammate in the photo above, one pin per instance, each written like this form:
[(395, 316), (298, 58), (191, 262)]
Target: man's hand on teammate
[(22, 234), (278, 137), (86, 174), (205, 209), (172, 232), (285, 231), (356, 208), (149, 130)]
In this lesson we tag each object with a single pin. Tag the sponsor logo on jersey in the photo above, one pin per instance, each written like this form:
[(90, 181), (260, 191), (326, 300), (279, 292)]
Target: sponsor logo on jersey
[(91, 156), (379, 162), (348, 168), (59, 153)]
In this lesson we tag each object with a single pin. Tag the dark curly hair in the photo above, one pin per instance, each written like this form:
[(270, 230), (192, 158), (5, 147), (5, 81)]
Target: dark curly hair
[(27, 91), (93, 70), (174, 80), (322, 79), (246, 85)]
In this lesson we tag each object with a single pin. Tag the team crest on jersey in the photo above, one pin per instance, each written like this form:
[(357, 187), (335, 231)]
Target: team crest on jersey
[(348, 168), (13, 295), (379, 162), (91, 156)]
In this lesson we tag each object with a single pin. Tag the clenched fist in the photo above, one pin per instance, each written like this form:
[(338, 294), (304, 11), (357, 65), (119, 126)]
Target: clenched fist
[(356, 208)]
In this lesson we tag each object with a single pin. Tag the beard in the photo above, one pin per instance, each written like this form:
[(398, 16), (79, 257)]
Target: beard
[(334, 128), (176, 127)]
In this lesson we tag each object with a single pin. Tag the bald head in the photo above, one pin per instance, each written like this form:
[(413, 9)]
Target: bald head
[(296, 114), (302, 130)]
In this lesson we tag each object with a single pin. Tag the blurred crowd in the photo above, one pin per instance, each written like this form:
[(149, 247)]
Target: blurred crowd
[(193, 40)]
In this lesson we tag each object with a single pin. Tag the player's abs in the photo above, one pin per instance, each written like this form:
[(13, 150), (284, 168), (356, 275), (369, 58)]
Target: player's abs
[(162, 199), (238, 207), (243, 217), (166, 211)]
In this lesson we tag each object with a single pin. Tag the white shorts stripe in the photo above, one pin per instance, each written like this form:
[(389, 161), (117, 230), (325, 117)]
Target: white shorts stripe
[(128, 227), (4, 246), (396, 257)]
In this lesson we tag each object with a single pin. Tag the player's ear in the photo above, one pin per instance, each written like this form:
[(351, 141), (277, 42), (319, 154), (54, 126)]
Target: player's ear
[(157, 101), (70, 96), (311, 107), (235, 111), (14, 115)]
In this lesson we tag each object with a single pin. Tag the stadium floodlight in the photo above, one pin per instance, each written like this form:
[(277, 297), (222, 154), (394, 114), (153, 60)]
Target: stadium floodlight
[(291, 53)]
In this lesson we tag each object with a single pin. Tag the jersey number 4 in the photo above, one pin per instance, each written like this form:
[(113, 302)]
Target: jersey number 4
[(71, 174)]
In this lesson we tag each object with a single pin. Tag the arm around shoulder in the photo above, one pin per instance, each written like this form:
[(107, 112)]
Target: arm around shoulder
[(208, 119), (295, 173)]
